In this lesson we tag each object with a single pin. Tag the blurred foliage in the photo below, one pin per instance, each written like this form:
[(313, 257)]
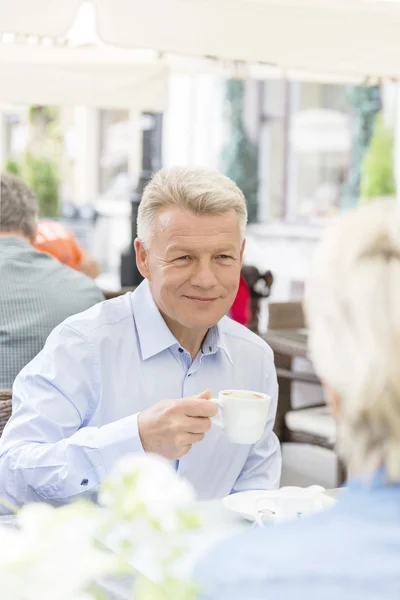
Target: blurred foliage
[(13, 166), (38, 166), (42, 177), (48, 114), (366, 103), (40, 174), (377, 174), (239, 157)]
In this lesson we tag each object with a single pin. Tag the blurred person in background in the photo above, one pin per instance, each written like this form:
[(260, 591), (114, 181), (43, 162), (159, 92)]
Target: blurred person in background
[(352, 551), (37, 292), (253, 287), (57, 240), (241, 310), (259, 285)]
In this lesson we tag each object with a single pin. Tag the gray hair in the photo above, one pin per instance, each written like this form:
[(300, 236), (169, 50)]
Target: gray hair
[(201, 191), (353, 310), (18, 206)]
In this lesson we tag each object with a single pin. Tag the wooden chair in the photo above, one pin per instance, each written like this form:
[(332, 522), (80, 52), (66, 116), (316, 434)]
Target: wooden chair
[(108, 294), (5, 408), (286, 315), (310, 423)]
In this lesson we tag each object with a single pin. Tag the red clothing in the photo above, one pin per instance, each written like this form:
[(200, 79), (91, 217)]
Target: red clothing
[(241, 309)]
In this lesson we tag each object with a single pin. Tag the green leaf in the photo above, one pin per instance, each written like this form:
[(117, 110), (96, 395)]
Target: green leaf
[(97, 594), (12, 166), (42, 178), (366, 103), (190, 520), (377, 176), (170, 589)]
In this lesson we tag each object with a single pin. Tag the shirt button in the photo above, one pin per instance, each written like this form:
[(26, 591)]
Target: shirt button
[(180, 349), (84, 481)]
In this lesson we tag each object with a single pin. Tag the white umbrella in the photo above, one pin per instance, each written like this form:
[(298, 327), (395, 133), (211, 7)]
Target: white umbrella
[(96, 76), (348, 38)]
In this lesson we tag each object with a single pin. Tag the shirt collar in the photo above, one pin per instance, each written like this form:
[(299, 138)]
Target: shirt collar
[(154, 334), (214, 341), (14, 241)]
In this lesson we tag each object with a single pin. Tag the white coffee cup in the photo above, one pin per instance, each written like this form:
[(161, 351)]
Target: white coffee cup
[(243, 415)]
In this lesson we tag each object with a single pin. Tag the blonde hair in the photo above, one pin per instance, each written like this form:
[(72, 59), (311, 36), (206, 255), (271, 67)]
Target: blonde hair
[(201, 191), (352, 305)]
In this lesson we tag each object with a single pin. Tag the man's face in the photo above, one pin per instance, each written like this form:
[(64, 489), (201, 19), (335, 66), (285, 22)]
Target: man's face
[(193, 265)]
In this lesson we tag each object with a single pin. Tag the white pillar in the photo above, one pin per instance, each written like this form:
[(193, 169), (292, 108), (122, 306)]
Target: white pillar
[(176, 122), (291, 206), (135, 146), (87, 154), (3, 149), (193, 126)]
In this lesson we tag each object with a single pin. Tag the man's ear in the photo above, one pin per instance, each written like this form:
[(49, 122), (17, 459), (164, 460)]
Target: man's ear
[(142, 259)]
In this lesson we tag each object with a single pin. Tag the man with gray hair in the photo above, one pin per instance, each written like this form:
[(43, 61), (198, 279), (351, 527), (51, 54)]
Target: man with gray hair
[(36, 291), (136, 374)]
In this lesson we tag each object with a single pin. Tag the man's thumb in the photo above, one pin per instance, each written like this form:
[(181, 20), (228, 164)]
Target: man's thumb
[(206, 395)]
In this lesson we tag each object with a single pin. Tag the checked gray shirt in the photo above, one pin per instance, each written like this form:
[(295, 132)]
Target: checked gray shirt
[(37, 293)]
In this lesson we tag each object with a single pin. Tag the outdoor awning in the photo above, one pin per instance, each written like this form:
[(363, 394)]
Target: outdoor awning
[(345, 38), (98, 76)]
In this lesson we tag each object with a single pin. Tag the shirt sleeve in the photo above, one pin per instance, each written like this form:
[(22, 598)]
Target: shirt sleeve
[(262, 470), (48, 450)]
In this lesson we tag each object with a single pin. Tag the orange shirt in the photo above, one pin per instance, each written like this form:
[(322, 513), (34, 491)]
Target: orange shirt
[(55, 239)]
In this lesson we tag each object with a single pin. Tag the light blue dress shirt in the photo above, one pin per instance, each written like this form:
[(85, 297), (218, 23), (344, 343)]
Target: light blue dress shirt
[(351, 552), (75, 405)]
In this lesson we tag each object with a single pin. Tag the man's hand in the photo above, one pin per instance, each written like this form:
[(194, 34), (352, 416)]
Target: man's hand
[(170, 427)]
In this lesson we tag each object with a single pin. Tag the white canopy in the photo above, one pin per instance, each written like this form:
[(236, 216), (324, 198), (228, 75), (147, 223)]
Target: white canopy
[(346, 38), (96, 76)]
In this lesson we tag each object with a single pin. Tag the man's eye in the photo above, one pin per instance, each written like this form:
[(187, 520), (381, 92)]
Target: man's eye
[(224, 256), (186, 257)]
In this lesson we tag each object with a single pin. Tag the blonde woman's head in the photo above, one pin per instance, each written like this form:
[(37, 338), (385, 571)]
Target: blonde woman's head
[(352, 307)]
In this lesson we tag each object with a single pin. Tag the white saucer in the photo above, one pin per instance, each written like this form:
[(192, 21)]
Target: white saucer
[(279, 505)]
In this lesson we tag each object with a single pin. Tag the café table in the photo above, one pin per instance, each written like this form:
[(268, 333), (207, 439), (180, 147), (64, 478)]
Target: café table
[(219, 523)]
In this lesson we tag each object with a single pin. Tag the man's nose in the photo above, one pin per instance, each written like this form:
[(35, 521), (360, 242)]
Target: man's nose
[(204, 275)]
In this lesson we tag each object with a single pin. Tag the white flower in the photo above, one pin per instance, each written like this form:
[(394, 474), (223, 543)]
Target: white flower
[(55, 549), (148, 486), (154, 507), (145, 514)]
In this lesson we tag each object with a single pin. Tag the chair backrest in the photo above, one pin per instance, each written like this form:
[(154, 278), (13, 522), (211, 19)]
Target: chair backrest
[(5, 408), (286, 315), (109, 295)]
